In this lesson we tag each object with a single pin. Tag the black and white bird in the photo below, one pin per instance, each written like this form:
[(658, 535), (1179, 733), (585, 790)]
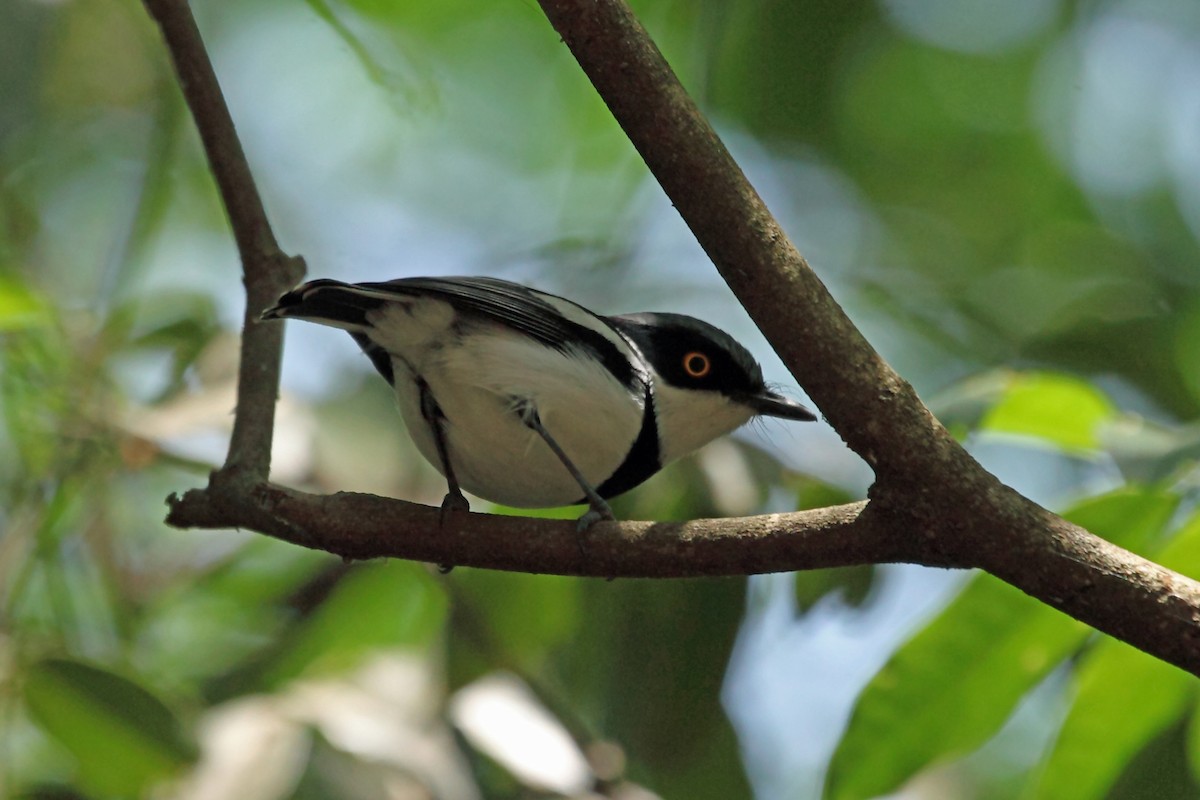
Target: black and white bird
[(528, 399)]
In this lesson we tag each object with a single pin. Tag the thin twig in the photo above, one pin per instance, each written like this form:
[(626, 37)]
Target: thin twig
[(266, 270)]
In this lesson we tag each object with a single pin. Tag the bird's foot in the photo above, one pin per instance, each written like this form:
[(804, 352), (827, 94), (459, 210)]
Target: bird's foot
[(452, 503), (599, 510)]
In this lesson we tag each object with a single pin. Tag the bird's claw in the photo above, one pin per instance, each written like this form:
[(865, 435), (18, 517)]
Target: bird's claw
[(452, 503), (592, 516), (597, 512)]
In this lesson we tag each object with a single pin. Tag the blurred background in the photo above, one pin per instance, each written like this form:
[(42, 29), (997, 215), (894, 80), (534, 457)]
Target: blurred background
[(1005, 196)]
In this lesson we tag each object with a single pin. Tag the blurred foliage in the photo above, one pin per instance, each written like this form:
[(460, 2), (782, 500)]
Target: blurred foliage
[(1005, 196), (1003, 644)]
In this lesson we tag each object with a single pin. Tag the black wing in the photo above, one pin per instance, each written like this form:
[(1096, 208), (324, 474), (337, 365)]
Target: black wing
[(528, 311), (506, 302)]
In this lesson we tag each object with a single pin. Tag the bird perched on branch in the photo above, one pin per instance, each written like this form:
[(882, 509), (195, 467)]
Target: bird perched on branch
[(531, 400)]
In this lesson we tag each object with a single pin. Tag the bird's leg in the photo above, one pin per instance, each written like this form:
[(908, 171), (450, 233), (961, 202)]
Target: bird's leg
[(432, 412), (454, 500), (598, 507)]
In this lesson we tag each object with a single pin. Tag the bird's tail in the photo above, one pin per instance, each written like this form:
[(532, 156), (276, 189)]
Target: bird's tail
[(328, 302)]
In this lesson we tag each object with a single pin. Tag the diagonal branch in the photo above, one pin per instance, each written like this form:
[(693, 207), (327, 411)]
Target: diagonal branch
[(926, 484), (875, 411)]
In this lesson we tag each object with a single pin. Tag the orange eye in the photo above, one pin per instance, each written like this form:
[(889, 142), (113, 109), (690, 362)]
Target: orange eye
[(696, 364)]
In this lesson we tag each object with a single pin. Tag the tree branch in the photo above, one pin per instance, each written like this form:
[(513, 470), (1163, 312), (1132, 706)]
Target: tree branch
[(931, 503), (266, 271), (368, 526), (927, 485)]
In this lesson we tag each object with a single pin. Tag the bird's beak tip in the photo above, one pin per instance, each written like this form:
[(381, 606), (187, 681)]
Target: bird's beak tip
[(772, 405)]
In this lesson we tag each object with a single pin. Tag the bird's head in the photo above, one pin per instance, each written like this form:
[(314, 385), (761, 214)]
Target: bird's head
[(707, 383)]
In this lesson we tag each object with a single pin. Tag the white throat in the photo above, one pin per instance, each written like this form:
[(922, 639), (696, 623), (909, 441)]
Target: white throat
[(691, 418)]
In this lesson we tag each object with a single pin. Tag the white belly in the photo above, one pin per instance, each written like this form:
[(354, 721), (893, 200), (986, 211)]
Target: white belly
[(478, 382)]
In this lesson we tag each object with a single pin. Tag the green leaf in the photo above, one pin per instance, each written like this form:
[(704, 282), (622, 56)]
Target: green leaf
[(811, 493), (389, 604), (1160, 770), (123, 737), (35, 396), (1183, 556), (1124, 699), (510, 619), (1187, 349), (950, 687), (1132, 517), (645, 668), (20, 306), (1192, 740), (953, 685), (851, 585), (1058, 408), (224, 616)]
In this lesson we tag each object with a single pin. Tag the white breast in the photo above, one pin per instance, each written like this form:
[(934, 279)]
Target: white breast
[(478, 375)]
